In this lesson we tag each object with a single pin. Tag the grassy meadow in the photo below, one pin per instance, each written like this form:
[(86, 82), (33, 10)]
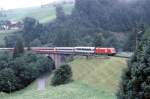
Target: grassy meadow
[(93, 79), (43, 14), (99, 72), (4, 34)]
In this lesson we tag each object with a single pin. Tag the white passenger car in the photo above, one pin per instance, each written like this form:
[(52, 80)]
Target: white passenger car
[(64, 49), (84, 50)]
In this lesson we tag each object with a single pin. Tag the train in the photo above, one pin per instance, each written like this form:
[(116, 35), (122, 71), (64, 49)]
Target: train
[(71, 50)]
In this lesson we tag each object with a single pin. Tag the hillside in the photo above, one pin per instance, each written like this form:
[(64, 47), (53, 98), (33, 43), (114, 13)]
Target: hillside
[(99, 72), (4, 34), (94, 79), (43, 14)]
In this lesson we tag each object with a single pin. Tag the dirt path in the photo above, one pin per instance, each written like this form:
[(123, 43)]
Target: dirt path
[(42, 83)]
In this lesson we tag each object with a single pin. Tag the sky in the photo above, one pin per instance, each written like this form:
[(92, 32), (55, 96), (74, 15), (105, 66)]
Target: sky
[(12, 4)]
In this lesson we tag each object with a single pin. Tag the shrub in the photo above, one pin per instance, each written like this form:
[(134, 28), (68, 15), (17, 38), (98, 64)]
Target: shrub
[(8, 80), (62, 75), (17, 73), (45, 64)]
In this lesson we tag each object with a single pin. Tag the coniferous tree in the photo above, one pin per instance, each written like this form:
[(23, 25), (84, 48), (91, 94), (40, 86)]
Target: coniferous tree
[(98, 42), (136, 78), (19, 48), (60, 14)]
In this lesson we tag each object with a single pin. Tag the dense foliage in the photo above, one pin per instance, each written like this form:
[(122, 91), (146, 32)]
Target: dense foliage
[(136, 79), (98, 41), (17, 73), (130, 44), (88, 18), (19, 48), (62, 75)]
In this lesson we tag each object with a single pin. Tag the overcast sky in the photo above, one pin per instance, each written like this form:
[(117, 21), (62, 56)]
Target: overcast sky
[(11, 4)]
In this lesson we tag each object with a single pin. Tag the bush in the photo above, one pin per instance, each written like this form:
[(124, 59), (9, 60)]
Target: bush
[(17, 73), (8, 80), (62, 75)]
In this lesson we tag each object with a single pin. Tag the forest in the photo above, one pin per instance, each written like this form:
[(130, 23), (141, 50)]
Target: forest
[(116, 21)]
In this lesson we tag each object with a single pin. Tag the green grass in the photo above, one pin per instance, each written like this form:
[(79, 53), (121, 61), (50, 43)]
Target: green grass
[(73, 90), (44, 14), (102, 73), (94, 79), (4, 34)]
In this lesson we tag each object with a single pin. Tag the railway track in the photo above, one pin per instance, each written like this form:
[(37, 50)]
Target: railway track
[(124, 54)]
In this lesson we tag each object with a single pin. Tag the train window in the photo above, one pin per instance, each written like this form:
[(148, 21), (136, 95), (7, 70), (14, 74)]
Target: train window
[(65, 49), (86, 49)]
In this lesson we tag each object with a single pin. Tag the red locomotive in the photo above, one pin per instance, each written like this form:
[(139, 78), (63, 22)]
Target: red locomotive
[(108, 51)]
